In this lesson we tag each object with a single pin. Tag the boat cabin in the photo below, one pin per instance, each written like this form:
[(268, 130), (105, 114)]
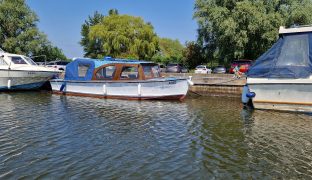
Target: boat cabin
[(8, 59), (111, 70)]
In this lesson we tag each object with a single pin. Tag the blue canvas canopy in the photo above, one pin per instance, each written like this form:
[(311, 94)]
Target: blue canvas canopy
[(289, 57), (72, 69)]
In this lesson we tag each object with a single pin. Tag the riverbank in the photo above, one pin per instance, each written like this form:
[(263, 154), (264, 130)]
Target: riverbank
[(213, 84)]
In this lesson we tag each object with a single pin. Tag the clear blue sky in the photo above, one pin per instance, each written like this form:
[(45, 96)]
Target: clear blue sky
[(61, 20)]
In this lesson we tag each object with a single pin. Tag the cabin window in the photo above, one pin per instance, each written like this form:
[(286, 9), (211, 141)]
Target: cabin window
[(129, 72), (83, 69), (107, 72), (18, 60), (151, 71)]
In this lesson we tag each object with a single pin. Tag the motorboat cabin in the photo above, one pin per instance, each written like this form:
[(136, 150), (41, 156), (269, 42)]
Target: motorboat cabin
[(281, 78)]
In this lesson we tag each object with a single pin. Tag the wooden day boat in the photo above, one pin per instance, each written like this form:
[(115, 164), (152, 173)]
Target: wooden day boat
[(119, 79)]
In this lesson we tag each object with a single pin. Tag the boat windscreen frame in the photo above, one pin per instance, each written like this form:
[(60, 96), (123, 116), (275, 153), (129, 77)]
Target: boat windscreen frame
[(118, 71), (3, 61), (152, 73), (119, 68), (30, 61)]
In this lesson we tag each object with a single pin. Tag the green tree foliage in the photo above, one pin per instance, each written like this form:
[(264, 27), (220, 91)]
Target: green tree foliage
[(231, 29), (93, 48), (192, 55), (124, 36), (113, 12), (169, 51), (19, 33)]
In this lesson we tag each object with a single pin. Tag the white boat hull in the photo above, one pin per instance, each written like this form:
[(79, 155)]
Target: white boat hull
[(282, 94), (23, 79), (149, 89)]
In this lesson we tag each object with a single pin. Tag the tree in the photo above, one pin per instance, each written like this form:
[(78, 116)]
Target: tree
[(93, 48), (19, 33), (124, 36), (231, 29), (113, 12), (52, 53), (169, 51), (192, 55)]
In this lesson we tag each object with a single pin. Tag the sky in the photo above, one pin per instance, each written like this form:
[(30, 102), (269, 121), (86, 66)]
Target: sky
[(61, 20)]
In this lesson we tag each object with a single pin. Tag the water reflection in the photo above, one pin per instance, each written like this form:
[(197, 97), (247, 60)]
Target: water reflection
[(279, 143), (45, 136)]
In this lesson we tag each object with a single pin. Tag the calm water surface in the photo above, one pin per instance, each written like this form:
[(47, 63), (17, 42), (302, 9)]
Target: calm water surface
[(49, 136)]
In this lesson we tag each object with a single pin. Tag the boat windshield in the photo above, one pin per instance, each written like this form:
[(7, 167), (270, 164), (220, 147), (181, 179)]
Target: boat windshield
[(151, 71), (30, 61)]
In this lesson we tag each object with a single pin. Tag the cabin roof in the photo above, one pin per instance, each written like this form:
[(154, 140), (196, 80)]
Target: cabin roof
[(72, 69), (297, 29), (9, 54), (99, 62)]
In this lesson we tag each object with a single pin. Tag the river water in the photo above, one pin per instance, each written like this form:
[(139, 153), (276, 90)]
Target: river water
[(50, 136)]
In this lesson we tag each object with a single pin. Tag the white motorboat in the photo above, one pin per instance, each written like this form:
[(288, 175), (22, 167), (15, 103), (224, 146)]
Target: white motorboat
[(120, 79), (18, 72), (281, 79)]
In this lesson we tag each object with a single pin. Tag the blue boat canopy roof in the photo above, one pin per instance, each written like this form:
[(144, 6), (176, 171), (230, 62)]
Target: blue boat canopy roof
[(82, 69), (289, 57)]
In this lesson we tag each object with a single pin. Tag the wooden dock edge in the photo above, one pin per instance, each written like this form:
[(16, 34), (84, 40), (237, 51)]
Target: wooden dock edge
[(216, 90), (213, 84)]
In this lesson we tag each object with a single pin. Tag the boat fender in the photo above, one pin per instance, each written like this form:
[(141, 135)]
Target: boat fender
[(63, 87), (251, 95), (189, 81), (9, 84), (245, 99), (104, 89), (139, 89)]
